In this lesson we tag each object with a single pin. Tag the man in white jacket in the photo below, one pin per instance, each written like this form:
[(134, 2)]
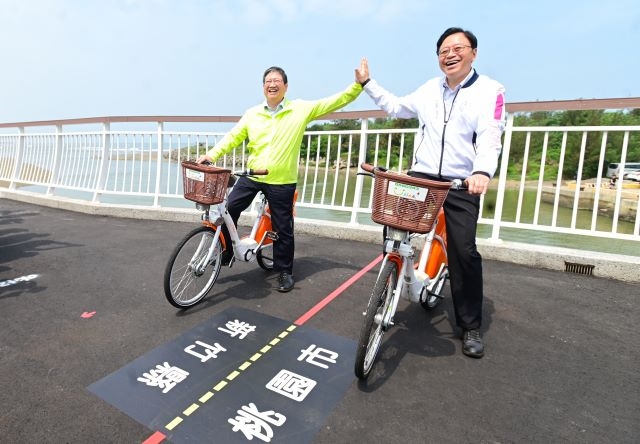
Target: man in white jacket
[(461, 117)]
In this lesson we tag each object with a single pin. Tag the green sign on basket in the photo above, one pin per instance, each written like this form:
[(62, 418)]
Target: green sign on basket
[(407, 191)]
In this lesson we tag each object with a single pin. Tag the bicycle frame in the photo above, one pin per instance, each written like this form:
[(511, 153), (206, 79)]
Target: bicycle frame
[(406, 206), (195, 263), (244, 248), (414, 279)]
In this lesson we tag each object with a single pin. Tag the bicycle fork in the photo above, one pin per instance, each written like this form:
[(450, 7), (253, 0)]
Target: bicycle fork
[(399, 251), (199, 262), (384, 318)]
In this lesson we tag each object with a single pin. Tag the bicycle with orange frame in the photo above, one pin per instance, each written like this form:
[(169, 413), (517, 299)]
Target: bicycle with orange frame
[(407, 207), (195, 263)]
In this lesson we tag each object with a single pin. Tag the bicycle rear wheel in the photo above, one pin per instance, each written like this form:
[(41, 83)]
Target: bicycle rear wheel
[(372, 329), (431, 296), (189, 275), (265, 257)]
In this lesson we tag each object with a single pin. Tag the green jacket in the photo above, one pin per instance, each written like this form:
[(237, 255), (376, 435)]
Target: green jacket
[(275, 140)]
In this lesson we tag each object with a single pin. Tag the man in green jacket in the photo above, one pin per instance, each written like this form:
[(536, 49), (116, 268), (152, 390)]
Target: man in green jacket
[(275, 129)]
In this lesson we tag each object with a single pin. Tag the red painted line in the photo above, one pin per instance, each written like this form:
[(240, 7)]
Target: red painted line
[(158, 437), (335, 293)]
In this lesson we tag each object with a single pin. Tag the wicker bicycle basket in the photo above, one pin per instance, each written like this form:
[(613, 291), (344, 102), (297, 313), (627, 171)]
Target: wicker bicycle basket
[(204, 184), (405, 202)]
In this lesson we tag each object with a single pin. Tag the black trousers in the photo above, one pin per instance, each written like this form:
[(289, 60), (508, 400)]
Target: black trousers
[(280, 198), (465, 263)]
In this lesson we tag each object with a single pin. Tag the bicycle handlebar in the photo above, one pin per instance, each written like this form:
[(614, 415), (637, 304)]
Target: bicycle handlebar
[(245, 172), (367, 167), (251, 172)]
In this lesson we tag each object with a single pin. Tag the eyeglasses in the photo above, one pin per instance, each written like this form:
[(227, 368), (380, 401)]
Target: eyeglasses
[(456, 50), (273, 81)]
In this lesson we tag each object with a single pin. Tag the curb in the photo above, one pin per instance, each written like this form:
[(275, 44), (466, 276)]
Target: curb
[(602, 265)]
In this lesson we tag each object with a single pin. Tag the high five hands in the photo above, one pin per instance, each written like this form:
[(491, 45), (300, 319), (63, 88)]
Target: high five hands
[(362, 72)]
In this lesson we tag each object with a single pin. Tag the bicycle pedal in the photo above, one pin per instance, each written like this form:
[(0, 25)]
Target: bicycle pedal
[(272, 235)]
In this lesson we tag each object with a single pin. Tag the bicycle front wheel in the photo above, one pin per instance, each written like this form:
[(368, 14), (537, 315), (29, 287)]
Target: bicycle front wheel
[(193, 268), (372, 329)]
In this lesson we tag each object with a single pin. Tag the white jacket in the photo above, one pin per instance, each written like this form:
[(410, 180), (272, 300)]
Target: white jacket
[(475, 107)]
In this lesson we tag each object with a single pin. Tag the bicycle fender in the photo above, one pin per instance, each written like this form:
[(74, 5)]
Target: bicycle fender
[(216, 228)]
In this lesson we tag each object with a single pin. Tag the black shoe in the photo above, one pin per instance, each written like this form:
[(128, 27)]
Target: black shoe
[(472, 344), (285, 282), (226, 258)]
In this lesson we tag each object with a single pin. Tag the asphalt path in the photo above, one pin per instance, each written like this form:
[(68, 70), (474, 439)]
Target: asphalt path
[(81, 296)]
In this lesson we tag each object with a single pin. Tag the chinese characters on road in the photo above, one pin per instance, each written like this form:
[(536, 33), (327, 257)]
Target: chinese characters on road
[(249, 420)]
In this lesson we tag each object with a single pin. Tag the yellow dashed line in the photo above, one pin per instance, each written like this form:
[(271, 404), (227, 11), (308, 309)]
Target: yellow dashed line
[(204, 398), (173, 423), (245, 365), (192, 408), (220, 386)]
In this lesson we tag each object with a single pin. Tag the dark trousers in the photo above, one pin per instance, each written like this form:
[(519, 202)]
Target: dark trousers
[(465, 263), (280, 198)]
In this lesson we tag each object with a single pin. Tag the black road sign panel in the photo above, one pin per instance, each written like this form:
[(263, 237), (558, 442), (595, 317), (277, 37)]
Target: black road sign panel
[(238, 376)]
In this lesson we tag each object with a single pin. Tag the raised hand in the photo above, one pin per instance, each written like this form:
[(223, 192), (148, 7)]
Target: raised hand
[(362, 72)]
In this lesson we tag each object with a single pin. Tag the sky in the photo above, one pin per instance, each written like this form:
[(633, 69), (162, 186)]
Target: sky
[(64, 59)]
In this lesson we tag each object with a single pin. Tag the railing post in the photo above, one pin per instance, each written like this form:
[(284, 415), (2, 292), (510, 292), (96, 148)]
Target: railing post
[(156, 197), (620, 182), (362, 156), (502, 181), (17, 166), (57, 155), (104, 162)]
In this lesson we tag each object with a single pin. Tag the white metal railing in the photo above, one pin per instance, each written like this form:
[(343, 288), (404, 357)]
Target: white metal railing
[(105, 164)]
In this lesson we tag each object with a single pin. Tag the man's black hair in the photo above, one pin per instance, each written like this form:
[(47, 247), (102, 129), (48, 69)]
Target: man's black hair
[(276, 69), (468, 34)]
